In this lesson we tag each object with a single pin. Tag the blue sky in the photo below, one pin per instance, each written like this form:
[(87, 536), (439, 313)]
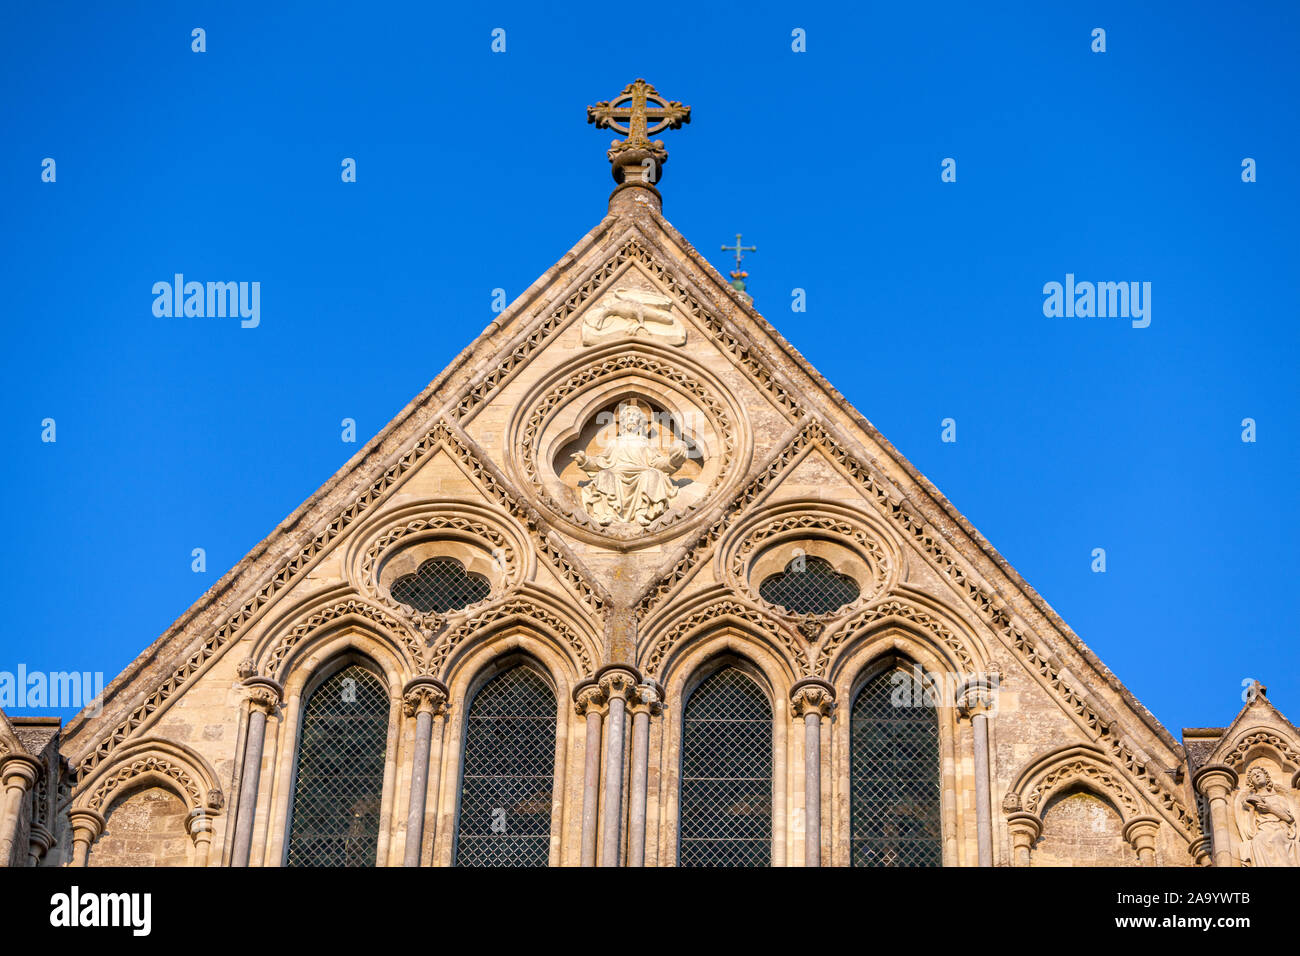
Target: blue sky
[(477, 170)]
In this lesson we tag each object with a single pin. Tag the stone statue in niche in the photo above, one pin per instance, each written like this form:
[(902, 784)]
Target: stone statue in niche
[(1267, 822), (630, 482), (632, 313)]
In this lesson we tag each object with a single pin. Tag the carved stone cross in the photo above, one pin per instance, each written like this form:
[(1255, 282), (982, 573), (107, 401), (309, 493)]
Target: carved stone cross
[(638, 112)]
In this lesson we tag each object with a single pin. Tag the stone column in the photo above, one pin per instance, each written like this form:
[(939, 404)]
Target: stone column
[(975, 703), (1141, 833), (422, 698), (589, 701), (617, 681), (86, 825), (812, 699), (264, 696), (19, 773), (201, 833), (1025, 828), (1215, 782), (646, 702)]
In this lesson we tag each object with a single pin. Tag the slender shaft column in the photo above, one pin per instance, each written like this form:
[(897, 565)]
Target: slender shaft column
[(264, 697), (812, 699), (646, 702), (87, 825), (975, 703), (589, 701), (19, 773), (1025, 828), (1215, 782), (618, 682), (201, 833), (423, 697), (1141, 833)]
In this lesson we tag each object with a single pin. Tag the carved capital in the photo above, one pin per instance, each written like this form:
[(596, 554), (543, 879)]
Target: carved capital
[(647, 698), (20, 771), (86, 823), (40, 840), (263, 694), (1215, 781), (1025, 828), (1200, 850), (618, 680), (425, 695), (200, 824), (978, 695), (1141, 832), (812, 696), (589, 698)]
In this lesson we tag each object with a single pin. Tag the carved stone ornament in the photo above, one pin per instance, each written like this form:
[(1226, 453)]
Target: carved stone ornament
[(630, 481), (633, 314), (424, 695), (812, 696), (1011, 802), (1267, 821)]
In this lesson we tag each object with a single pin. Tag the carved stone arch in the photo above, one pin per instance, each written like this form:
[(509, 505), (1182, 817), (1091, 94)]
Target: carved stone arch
[(569, 633), (1078, 765), (945, 634), (869, 547), (153, 760), (505, 550), (1263, 740), (281, 646), (675, 634), (600, 376)]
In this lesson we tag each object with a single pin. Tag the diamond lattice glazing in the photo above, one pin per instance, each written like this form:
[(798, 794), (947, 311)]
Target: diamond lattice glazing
[(340, 773), (726, 797), (508, 778)]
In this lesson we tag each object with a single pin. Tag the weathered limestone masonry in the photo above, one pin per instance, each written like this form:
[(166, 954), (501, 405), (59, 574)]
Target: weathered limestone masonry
[(631, 584)]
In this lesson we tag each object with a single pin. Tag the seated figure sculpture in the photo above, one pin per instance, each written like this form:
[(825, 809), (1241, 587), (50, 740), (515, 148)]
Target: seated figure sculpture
[(630, 482)]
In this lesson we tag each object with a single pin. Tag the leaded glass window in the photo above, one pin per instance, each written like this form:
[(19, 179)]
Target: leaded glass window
[(894, 773), (809, 585), (508, 779), (339, 779), (441, 585), (726, 796)]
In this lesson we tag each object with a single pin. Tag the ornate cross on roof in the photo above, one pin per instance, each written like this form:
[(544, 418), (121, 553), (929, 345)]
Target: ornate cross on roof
[(738, 277), (638, 112)]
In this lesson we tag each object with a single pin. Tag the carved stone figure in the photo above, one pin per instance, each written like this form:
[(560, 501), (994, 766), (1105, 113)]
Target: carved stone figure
[(631, 313), (1268, 824), (631, 481)]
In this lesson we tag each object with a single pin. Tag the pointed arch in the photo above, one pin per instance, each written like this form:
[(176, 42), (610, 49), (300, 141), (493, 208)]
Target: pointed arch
[(718, 609), (283, 645), (154, 760), (1070, 767), (569, 634), (936, 634)]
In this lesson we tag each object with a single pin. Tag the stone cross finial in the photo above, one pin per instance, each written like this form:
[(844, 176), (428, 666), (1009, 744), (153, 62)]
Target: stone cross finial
[(638, 112)]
